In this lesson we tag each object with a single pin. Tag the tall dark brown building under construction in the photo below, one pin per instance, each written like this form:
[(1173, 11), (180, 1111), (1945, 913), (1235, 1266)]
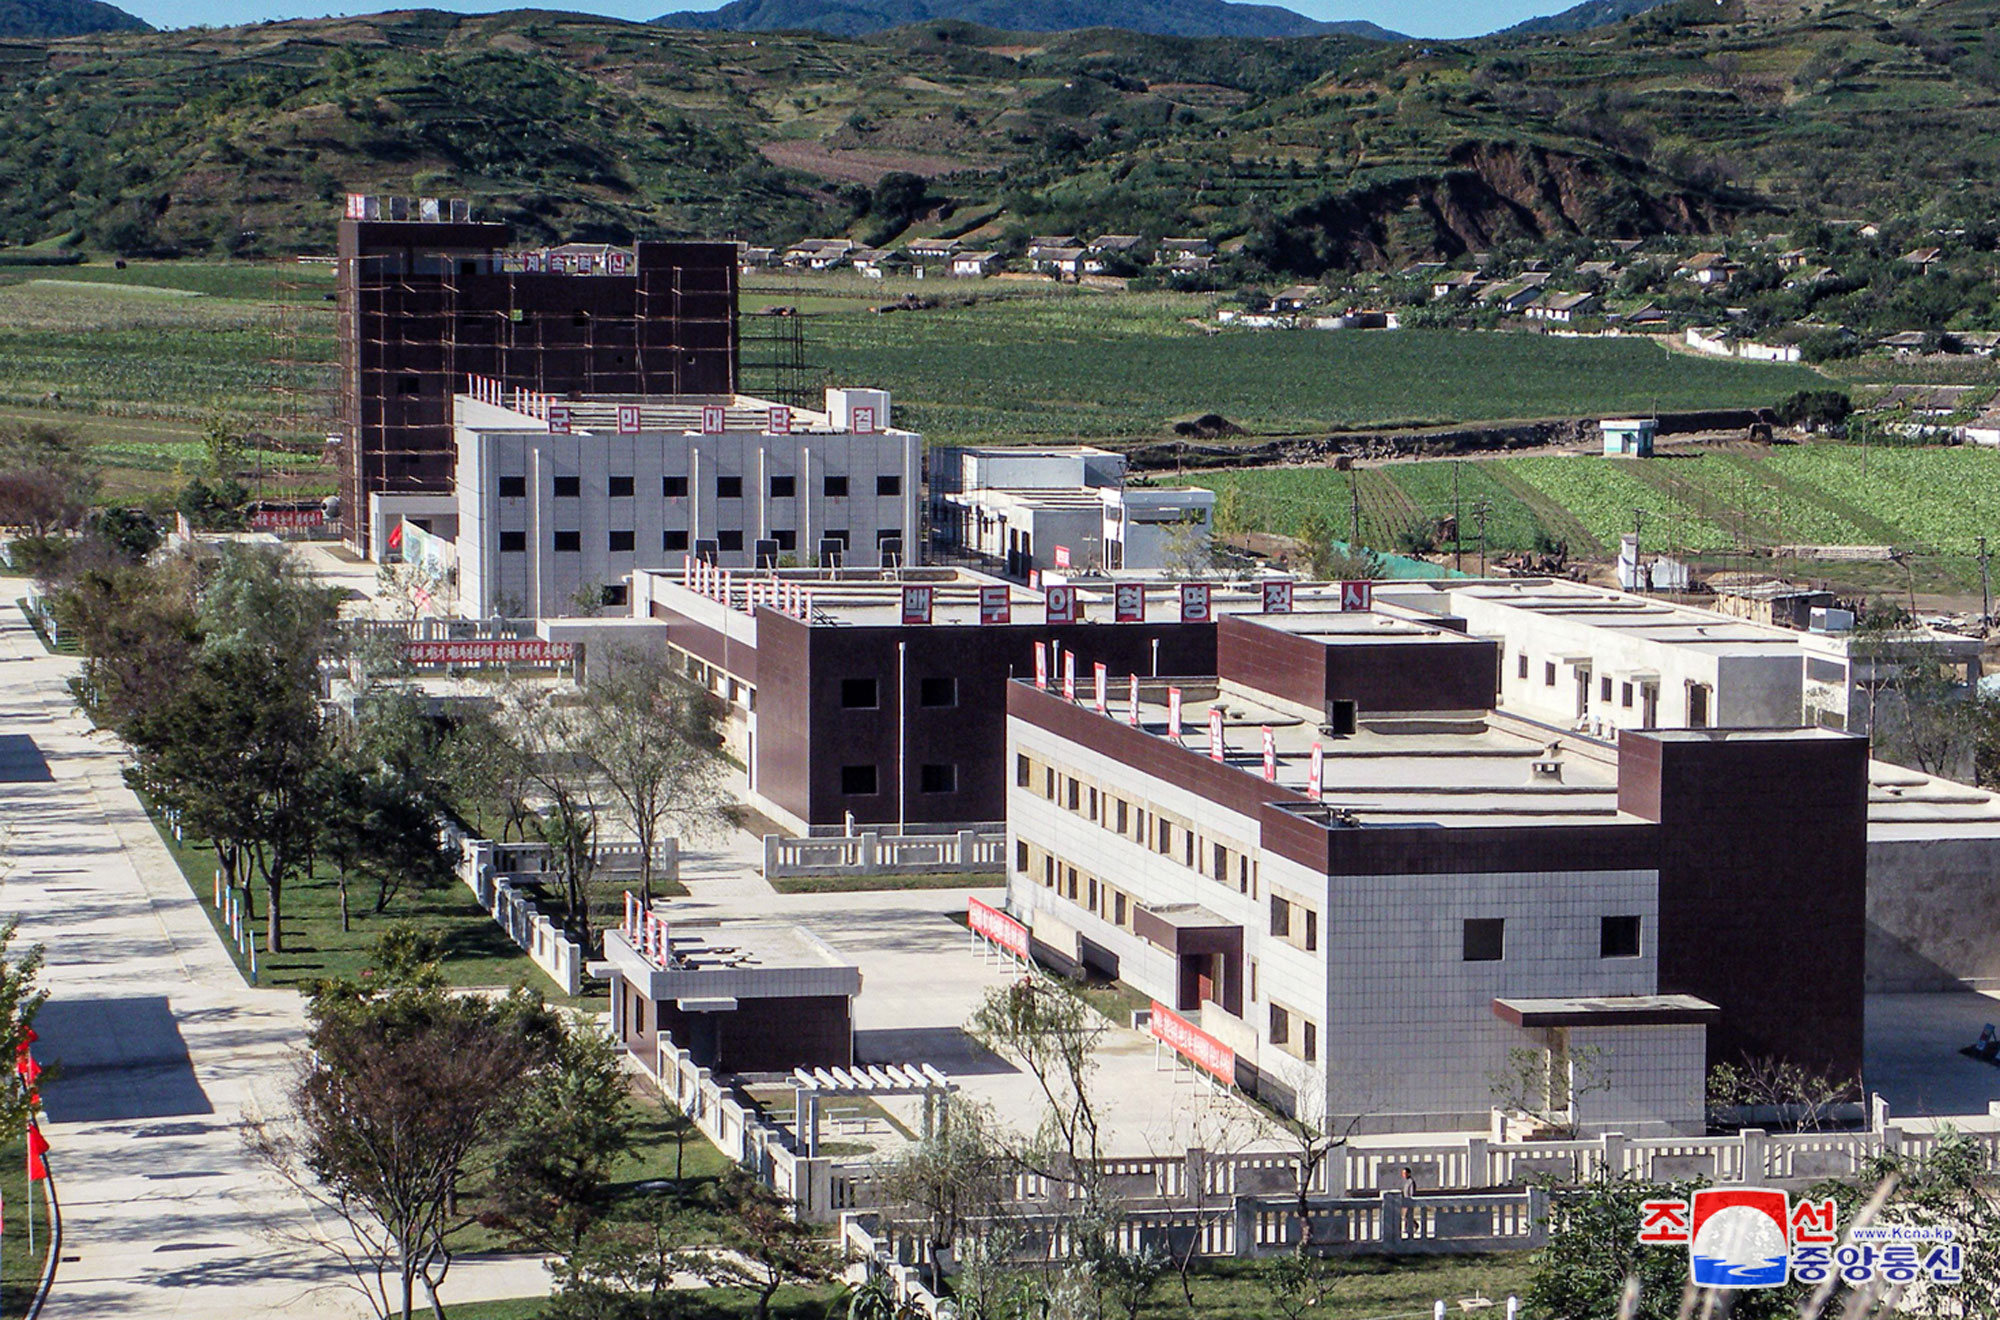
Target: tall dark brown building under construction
[(425, 304)]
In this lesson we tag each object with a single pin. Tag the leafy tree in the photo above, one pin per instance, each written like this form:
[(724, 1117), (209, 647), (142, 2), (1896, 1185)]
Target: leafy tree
[(1813, 409), (1049, 1030), (1593, 1250), (46, 479), (1328, 560), (552, 1181), (765, 1245), (222, 446), (405, 1093), (949, 1181), (652, 736), (1803, 1098)]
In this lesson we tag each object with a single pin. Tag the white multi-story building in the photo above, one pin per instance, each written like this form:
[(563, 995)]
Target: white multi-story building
[(1062, 508), (562, 499), (1452, 894)]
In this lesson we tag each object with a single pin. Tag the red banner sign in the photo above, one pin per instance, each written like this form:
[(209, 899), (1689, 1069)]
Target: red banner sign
[(996, 605), (996, 927), (267, 520), (1193, 1044), (489, 651)]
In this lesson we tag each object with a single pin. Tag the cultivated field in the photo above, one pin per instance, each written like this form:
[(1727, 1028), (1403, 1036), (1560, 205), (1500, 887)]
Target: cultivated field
[(1735, 499)]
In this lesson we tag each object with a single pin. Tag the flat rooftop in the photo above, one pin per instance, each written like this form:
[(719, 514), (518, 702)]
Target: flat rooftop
[(873, 598), (1560, 601), (674, 414)]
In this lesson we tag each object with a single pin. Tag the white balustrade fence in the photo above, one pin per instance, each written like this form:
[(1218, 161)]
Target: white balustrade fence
[(871, 852)]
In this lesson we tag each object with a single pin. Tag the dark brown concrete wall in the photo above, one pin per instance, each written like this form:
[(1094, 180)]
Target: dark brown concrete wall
[(1763, 886), (772, 1035), (1379, 677)]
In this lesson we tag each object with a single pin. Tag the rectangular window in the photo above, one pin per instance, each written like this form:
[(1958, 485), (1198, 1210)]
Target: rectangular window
[(783, 488), (1219, 855), (1604, 688), (621, 595), (1072, 791), (786, 537), (1309, 1047), (673, 540), (1121, 826), (513, 542), (1048, 873), (1548, 673), (1166, 837), (938, 779), (513, 488), (857, 780), (729, 488), (889, 485), (568, 488), (1521, 665), (1253, 980), (836, 488), (1021, 771), (1281, 1026), (1117, 908), (620, 542), (1625, 695), (858, 693), (730, 540), (1485, 939), (1618, 937), (673, 488), (1281, 917), (1021, 858), (937, 692), (569, 542), (617, 487), (1312, 930)]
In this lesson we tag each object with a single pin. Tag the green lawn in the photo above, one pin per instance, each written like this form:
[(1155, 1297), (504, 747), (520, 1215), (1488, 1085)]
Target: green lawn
[(20, 1271), (849, 884), (476, 950), (827, 1303)]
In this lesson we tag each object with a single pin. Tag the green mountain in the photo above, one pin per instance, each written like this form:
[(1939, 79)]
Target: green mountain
[(64, 18), (1298, 155), (1583, 17), (1168, 18)]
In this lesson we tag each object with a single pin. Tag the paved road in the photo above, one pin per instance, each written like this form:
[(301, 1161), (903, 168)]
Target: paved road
[(168, 1053)]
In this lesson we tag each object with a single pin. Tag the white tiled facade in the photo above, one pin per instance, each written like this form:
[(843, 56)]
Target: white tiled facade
[(1404, 1033), (646, 500)]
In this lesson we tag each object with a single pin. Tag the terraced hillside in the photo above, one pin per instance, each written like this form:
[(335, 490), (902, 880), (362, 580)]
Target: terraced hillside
[(1315, 152)]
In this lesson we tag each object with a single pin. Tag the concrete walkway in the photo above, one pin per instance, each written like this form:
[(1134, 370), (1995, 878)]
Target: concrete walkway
[(168, 1056)]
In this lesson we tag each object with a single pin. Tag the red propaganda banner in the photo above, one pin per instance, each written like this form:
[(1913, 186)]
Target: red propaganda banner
[(1132, 707), (1103, 676), (714, 419), (1069, 676), (1277, 598), (1062, 556), (1174, 713), (1193, 1044), (1357, 595), (996, 605), (1194, 602), (269, 520), (1129, 602), (489, 651), (559, 419), (996, 927), (628, 419), (862, 421), (1270, 756), (917, 605), (1216, 750), (1061, 604), (1316, 773), (1042, 665), (781, 420)]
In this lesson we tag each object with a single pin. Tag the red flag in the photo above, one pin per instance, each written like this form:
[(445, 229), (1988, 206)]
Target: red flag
[(26, 1066), (38, 1146), (29, 1036)]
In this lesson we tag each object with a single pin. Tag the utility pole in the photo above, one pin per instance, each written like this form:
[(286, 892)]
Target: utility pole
[(1985, 588), (1638, 557), (1479, 512), (1354, 509), (1457, 537)]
